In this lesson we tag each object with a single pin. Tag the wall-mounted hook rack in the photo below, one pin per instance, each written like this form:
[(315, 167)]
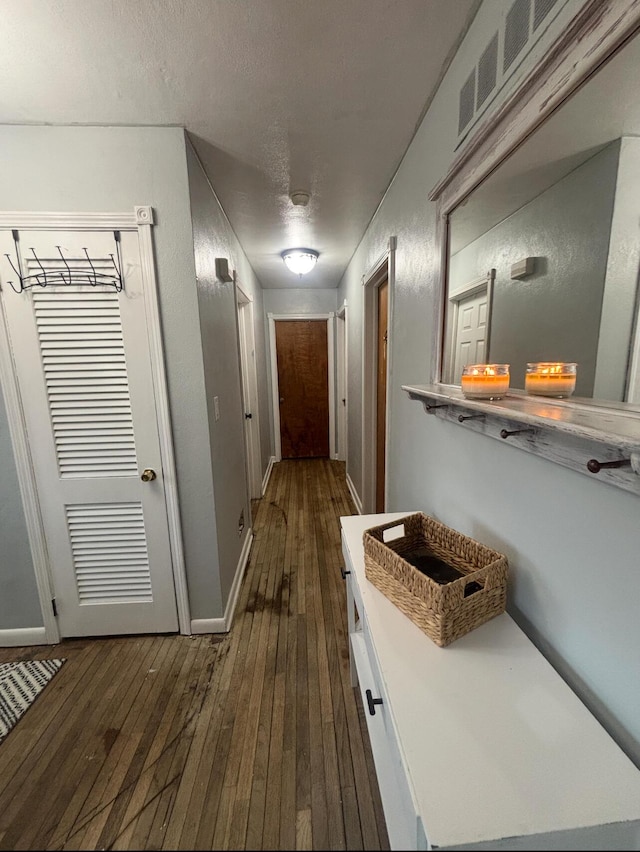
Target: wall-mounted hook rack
[(596, 466), (506, 433), (76, 271)]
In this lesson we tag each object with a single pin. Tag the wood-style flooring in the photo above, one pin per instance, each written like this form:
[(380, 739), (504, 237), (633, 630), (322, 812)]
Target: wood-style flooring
[(253, 739)]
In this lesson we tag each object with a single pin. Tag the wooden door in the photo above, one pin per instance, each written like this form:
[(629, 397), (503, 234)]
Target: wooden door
[(470, 346), (82, 360), (303, 388), (381, 393)]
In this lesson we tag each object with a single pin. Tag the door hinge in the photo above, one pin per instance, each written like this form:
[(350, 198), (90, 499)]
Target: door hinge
[(54, 607)]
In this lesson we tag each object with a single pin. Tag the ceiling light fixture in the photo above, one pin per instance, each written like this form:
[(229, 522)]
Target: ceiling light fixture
[(300, 260), (300, 197)]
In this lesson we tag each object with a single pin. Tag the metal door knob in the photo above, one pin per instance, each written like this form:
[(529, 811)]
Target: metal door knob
[(148, 475)]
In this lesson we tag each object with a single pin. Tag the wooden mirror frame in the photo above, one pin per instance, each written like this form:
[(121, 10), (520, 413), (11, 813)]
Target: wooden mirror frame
[(573, 433), (599, 30)]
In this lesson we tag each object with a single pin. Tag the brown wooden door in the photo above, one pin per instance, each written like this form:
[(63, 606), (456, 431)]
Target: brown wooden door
[(303, 385), (381, 394)]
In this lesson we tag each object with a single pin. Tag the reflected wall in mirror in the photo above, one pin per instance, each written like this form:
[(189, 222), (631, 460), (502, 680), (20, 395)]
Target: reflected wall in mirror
[(543, 256)]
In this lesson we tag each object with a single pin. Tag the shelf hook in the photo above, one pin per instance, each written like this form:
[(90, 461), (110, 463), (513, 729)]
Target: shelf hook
[(504, 433)]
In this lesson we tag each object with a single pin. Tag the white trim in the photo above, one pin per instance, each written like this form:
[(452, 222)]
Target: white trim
[(331, 366), (354, 495), (141, 220), (342, 414), (275, 394), (223, 625), (27, 483), (150, 289), (52, 221), (267, 474), (384, 268), (208, 625), (250, 398), (18, 637), (471, 288)]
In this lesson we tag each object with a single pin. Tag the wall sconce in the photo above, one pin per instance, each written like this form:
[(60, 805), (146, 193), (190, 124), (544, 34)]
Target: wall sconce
[(222, 269), (300, 260)]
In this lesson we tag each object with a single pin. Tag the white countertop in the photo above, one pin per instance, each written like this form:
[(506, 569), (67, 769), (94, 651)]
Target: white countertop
[(489, 728)]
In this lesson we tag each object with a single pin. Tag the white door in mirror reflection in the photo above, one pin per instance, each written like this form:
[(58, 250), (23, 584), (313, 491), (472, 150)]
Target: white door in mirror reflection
[(470, 333)]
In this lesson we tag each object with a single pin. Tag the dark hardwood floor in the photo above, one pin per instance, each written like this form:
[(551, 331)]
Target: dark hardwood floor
[(253, 739)]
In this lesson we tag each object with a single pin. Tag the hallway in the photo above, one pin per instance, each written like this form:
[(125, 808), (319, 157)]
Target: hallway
[(250, 740)]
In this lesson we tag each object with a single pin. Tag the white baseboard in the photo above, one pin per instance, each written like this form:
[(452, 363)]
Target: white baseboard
[(354, 495), (223, 625), (267, 475), (20, 636), (208, 625)]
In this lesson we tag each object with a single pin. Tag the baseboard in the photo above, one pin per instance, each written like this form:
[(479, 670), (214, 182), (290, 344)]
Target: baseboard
[(354, 495), (19, 636), (208, 625), (223, 625), (267, 475), (237, 582)]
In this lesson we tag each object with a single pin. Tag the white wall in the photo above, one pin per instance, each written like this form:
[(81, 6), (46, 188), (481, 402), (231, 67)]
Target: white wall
[(112, 169), (572, 541)]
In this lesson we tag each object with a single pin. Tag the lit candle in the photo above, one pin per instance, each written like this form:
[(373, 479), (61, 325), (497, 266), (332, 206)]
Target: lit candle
[(547, 378), (485, 381)]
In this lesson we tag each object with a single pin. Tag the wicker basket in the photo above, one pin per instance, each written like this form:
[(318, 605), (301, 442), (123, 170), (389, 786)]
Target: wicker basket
[(443, 611)]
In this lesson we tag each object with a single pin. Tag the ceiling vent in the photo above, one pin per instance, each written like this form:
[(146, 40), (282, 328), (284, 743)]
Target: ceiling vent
[(516, 31), (541, 9), (467, 102), (505, 52), (487, 71)]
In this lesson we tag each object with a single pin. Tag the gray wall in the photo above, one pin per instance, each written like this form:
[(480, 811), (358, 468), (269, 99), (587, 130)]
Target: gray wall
[(568, 235), (575, 588), (213, 237), (106, 169), (19, 602)]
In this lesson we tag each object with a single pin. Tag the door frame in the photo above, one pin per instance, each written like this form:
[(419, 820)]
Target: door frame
[(275, 394), (250, 401), (142, 221), (471, 288), (342, 383), (383, 269)]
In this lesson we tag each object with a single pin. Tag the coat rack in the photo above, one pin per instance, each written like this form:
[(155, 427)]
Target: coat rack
[(71, 274)]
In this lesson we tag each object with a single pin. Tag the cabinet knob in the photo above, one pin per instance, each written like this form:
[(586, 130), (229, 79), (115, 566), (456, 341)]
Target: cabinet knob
[(371, 701), (148, 475)]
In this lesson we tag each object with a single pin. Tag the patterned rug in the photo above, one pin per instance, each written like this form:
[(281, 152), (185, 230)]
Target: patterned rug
[(20, 685)]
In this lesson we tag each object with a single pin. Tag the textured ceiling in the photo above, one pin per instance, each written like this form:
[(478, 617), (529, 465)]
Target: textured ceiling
[(277, 95)]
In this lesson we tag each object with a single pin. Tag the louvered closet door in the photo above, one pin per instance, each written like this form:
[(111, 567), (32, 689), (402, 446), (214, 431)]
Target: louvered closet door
[(84, 371)]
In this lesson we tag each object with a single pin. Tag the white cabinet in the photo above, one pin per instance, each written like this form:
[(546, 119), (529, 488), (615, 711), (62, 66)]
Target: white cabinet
[(480, 745)]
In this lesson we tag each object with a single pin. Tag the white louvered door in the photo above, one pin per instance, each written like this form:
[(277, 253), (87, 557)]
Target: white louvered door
[(83, 365)]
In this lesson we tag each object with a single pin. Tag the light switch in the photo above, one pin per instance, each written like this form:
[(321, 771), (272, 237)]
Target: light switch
[(216, 408)]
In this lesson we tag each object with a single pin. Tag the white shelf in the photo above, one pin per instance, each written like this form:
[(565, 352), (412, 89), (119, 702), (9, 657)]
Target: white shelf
[(497, 749), (568, 432)]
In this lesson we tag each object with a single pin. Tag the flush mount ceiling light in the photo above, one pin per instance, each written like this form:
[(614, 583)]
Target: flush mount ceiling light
[(300, 260)]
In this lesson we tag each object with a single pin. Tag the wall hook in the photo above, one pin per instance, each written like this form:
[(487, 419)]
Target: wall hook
[(431, 406), (504, 433), (596, 466), (463, 417)]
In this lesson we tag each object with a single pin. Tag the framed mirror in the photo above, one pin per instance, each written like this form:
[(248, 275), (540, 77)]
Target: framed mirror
[(539, 220)]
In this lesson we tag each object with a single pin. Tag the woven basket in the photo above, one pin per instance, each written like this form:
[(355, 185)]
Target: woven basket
[(442, 611)]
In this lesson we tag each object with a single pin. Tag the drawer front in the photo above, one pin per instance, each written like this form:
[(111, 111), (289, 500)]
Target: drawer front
[(395, 790)]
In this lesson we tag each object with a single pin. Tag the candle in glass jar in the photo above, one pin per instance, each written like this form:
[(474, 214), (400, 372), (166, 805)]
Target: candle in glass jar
[(550, 378), (485, 381)]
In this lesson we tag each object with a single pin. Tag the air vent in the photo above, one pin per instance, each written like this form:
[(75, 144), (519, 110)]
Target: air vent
[(516, 32), (487, 71), (541, 9), (467, 101)]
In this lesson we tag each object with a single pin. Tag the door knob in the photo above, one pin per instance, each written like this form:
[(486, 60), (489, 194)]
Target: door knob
[(148, 475), (281, 399)]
